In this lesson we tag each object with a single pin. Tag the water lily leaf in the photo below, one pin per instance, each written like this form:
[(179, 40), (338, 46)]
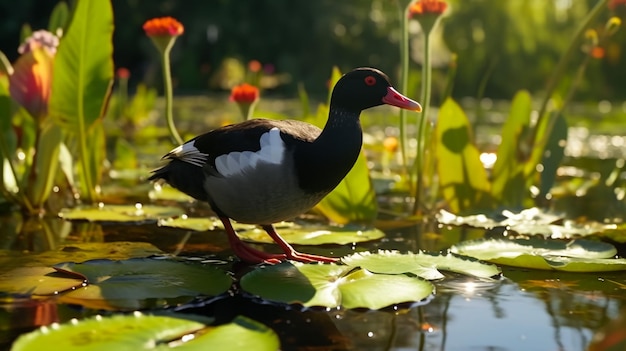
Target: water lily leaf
[(332, 285), (314, 235), (530, 221), (128, 284), (424, 265), (120, 213), (79, 252), (201, 224), (571, 256), (166, 192), (36, 281), (137, 331)]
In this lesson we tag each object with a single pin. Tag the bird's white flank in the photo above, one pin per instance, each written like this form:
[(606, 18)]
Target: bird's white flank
[(272, 152)]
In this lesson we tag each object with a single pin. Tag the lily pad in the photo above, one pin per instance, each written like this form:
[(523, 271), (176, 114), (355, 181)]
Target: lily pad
[(78, 252), (331, 286), (137, 213), (166, 192), (571, 256), (139, 332), (530, 221), (314, 235), (200, 224), (129, 284), (36, 281), (424, 265)]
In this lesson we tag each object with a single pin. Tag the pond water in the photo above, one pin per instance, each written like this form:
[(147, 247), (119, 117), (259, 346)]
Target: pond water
[(525, 310)]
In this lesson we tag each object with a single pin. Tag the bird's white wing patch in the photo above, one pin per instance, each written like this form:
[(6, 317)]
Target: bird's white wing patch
[(272, 151), (188, 153)]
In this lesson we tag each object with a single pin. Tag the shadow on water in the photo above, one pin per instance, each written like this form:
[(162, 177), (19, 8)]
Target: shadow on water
[(526, 310)]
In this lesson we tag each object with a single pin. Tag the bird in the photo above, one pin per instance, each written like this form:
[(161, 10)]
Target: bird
[(264, 171)]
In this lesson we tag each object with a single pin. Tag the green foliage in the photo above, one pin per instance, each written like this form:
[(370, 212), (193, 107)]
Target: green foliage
[(157, 332), (332, 285), (570, 256), (83, 73), (509, 180), (463, 179)]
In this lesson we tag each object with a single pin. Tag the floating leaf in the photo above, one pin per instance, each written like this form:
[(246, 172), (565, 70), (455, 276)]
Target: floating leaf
[(200, 224), (314, 235), (529, 221), (120, 213), (570, 256), (36, 281), (166, 192), (332, 285), (424, 265), (127, 284), (79, 252), (138, 331)]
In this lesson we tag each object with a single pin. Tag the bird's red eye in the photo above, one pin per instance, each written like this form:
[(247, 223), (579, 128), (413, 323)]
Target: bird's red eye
[(370, 80)]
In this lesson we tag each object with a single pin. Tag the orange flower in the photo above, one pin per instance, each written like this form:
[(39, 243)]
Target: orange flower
[(163, 26), (391, 144), (426, 7), (597, 52), (244, 93), (122, 73), (254, 66)]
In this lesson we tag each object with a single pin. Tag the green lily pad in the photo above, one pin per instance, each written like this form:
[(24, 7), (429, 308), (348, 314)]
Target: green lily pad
[(78, 252), (36, 281), (331, 285), (530, 221), (168, 193), (424, 265), (137, 213), (129, 284), (314, 235), (141, 332), (571, 256), (200, 224)]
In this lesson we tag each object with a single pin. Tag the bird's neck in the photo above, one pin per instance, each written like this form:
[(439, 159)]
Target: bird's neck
[(327, 160)]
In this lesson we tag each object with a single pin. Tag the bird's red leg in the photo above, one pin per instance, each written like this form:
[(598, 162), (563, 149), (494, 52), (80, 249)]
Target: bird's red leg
[(291, 253), (245, 252)]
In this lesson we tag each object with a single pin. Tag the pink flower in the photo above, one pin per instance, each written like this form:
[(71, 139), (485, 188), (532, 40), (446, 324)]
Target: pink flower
[(40, 39)]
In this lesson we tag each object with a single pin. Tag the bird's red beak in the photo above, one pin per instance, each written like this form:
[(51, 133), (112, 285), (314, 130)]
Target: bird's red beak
[(394, 98)]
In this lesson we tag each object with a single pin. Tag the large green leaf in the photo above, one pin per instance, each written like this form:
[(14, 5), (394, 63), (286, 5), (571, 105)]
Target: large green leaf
[(129, 284), (83, 74), (314, 235), (332, 285), (424, 265), (509, 184), (570, 256), (45, 164), (139, 331), (462, 177)]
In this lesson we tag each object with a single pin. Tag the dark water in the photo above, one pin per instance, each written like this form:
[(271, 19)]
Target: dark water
[(525, 310)]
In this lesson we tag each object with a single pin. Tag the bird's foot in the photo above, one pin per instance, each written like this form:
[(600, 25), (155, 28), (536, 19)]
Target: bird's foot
[(250, 255), (308, 258)]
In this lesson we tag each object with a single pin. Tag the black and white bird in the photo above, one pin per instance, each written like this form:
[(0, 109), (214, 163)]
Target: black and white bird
[(265, 171)]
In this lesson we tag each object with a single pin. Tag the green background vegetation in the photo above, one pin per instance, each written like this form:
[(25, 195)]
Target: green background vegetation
[(505, 45)]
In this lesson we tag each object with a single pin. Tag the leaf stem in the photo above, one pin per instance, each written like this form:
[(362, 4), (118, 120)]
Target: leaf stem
[(167, 82), (404, 84), (421, 135)]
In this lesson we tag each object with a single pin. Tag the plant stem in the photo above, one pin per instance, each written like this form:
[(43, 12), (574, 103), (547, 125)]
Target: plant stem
[(560, 69), (404, 84), (167, 82), (421, 135)]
